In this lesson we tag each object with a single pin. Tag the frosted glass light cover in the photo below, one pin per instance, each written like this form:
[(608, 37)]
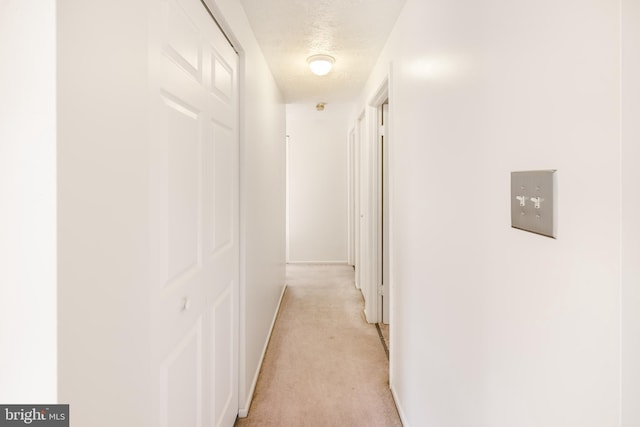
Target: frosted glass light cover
[(320, 64)]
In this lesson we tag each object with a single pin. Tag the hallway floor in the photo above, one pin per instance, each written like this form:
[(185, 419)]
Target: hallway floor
[(325, 366)]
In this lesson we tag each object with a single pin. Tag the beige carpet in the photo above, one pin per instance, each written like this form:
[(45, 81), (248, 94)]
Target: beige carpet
[(325, 366)]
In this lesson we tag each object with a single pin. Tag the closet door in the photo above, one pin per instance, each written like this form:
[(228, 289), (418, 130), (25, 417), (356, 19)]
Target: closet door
[(193, 144)]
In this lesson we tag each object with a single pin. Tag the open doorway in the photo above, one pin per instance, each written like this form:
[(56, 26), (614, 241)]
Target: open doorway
[(383, 225), (380, 108), (372, 216)]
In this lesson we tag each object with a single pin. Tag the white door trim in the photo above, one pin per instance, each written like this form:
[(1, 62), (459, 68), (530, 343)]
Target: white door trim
[(374, 308), (358, 210), (351, 143)]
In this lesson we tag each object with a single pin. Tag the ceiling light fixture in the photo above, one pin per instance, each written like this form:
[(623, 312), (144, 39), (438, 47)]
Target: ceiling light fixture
[(320, 64)]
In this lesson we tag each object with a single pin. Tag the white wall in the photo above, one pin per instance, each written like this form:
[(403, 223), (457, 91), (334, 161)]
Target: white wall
[(28, 347), (630, 298), (103, 207), (317, 182), (262, 185), (493, 326)]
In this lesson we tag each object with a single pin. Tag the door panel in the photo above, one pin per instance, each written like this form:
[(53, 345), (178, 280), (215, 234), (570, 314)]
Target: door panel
[(182, 189), (194, 216), (183, 40), (224, 388), (181, 390), (222, 76), (223, 188)]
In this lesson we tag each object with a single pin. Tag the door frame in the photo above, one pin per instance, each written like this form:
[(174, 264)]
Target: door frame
[(382, 207), (351, 196), (374, 302), (360, 232)]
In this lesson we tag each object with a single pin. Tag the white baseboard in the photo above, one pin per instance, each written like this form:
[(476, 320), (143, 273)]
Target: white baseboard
[(343, 262), (368, 318), (244, 411), (403, 419)]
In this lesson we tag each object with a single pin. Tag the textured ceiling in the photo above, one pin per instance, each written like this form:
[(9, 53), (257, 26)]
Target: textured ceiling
[(352, 31)]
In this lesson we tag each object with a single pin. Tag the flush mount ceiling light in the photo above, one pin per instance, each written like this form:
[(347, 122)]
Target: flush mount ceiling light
[(320, 64)]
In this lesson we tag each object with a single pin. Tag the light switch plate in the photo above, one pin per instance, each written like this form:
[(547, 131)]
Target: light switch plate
[(534, 201)]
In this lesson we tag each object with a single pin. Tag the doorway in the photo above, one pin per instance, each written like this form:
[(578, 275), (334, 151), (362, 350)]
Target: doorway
[(381, 212)]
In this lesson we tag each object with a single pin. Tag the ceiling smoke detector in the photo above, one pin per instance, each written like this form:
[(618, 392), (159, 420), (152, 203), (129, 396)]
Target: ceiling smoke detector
[(320, 64)]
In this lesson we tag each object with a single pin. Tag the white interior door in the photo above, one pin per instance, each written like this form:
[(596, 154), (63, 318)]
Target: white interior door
[(351, 198), (361, 204), (194, 216), (356, 206)]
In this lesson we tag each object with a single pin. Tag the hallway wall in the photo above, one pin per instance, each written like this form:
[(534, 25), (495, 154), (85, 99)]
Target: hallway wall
[(317, 183), (493, 326), (104, 345), (28, 347)]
